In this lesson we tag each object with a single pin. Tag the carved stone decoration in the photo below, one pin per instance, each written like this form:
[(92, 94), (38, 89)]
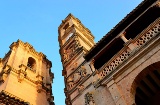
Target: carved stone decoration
[(70, 51), (70, 82), (6, 70), (83, 71), (39, 83), (66, 55), (21, 75), (89, 99), (80, 88), (74, 66), (76, 77)]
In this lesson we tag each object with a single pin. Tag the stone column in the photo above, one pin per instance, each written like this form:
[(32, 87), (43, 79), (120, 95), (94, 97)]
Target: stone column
[(128, 43), (122, 36)]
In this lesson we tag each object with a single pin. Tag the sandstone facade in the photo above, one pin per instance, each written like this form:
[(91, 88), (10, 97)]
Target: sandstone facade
[(122, 68), (25, 76)]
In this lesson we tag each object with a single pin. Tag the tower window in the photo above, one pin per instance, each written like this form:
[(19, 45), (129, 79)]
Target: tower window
[(31, 64), (69, 36), (66, 26)]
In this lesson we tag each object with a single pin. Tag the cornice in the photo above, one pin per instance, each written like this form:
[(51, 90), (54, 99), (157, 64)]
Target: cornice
[(84, 40), (70, 16), (22, 75), (84, 31), (28, 47), (70, 40)]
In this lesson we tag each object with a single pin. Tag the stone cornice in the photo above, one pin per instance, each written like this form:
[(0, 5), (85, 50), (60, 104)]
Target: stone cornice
[(8, 69), (84, 40), (30, 49), (70, 40), (27, 47), (70, 16)]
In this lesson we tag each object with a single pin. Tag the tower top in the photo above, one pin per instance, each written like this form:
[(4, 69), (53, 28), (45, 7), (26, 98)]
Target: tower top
[(72, 26), (30, 49), (76, 22)]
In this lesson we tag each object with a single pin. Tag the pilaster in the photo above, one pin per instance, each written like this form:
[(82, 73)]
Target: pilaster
[(116, 93)]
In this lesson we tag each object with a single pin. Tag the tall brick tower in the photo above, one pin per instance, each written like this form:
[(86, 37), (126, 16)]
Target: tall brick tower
[(25, 77), (75, 40)]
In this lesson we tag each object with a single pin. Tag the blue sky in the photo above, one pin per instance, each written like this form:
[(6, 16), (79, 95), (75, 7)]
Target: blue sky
[(37, 21)]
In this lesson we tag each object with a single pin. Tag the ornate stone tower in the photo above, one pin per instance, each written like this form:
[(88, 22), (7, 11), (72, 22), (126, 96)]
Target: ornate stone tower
[(123, 68), (75, 40), (25, 76)]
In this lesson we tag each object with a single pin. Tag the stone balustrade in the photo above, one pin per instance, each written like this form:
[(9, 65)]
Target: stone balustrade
[(140, 40)]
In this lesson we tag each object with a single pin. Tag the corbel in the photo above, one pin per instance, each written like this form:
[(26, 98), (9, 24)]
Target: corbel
[(39, 83)]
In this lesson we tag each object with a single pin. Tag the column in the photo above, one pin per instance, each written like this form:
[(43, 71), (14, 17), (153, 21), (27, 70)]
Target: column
[(128, 43)]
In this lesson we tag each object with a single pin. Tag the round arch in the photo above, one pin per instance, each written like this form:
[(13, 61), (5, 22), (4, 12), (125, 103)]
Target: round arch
[(31, 64), (128, 84), (146, 85)]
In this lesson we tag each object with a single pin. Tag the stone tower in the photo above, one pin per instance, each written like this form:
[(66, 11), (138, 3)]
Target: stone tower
[(75, 40), (123, 68), (25, 76)]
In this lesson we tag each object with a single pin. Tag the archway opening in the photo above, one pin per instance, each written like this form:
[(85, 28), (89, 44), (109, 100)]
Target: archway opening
[(31, 64), (148, 86)]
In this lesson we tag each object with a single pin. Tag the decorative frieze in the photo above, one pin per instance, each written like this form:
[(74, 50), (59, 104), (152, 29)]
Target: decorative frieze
[(76, 77), (147, 36), (70, 51), (21, 75), (113, 64)]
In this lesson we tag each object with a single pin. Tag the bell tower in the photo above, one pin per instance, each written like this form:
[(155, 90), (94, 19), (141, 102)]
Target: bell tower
[(25, 76), (73, 37), (75, 41)]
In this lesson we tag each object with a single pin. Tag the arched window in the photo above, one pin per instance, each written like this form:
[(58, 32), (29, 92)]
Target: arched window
[(31, 64)]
